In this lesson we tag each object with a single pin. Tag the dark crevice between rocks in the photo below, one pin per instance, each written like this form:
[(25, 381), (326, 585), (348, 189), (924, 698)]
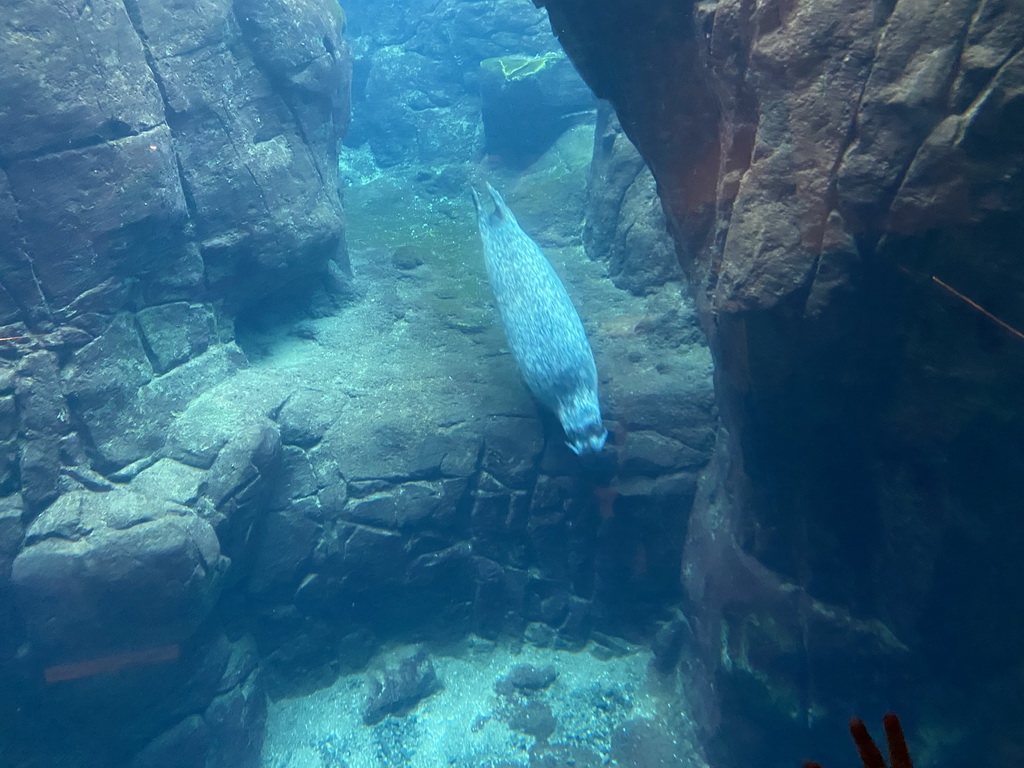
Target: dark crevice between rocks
[(241, 161), (38, 316), (883, 10), (275, 414), (131, 8), (186, 189), (171, 119), (151, 356), (89, 479), (282, 87), (1013, 53), (170, 115), (135, 17), (360, 487), (256, 326), (126, 473), (190, 52), (290, 106), (79, 309), (86, 441), (987, 86), (965, 33), (112, 130), (858, 109)]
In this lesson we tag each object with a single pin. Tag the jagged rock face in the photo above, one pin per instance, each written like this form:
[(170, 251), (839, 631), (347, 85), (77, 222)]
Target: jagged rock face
[(102, 569), (425, 71), (163, 167), (840, 179), (129, 176), (146, 197)]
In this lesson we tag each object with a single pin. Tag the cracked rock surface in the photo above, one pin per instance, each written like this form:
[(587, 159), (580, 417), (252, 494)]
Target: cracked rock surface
[(844, 184), (163, 168)]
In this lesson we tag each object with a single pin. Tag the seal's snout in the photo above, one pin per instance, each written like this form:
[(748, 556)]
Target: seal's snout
[(588, 443)]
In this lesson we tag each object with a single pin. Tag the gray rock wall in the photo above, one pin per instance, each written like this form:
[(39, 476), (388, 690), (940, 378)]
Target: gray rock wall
[(163, 168), (625, 225)]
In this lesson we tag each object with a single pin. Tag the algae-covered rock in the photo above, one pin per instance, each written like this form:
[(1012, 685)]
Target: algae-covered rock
[(528, 101), (517, 67)]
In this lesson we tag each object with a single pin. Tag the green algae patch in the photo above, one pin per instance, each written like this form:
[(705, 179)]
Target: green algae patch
[(517, 67), (390, 218), (388, 214)]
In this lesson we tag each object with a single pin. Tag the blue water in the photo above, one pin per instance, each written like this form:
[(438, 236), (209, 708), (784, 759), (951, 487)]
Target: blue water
[(273, 491)]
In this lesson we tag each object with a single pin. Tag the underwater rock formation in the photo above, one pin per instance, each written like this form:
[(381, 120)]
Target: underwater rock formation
[(526, 102), (173, 167), (625, 225), (304, 513), (115, 570), (845, 184), (416, 73), (398, 689)]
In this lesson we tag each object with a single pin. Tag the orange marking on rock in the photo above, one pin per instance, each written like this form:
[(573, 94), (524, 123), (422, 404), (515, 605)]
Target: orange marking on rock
[(106, 665)]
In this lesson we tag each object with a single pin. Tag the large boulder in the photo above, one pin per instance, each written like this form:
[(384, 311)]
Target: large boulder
[(105, 573), (527, 102)]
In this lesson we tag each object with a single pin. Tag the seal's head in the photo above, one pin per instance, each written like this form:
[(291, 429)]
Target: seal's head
[(581, 420), (589, 441)]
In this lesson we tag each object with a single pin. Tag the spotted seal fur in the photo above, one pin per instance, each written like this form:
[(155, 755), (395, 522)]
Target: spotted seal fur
[(542, 326)]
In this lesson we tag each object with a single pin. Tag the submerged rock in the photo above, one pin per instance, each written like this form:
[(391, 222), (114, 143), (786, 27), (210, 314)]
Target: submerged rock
[(526, 678), (399, 689)]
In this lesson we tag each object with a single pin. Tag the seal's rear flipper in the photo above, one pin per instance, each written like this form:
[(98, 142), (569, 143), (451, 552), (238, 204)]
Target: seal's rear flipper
[(486, 218), (501, 211)]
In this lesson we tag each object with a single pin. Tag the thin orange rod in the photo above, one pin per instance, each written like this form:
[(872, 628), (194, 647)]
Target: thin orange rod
[(980, 308)]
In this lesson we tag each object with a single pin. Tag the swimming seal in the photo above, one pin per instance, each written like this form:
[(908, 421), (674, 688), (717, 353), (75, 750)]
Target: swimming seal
[(542, 326)]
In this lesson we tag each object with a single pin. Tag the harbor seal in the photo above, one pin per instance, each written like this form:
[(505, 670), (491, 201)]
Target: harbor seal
[(542, 326)]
